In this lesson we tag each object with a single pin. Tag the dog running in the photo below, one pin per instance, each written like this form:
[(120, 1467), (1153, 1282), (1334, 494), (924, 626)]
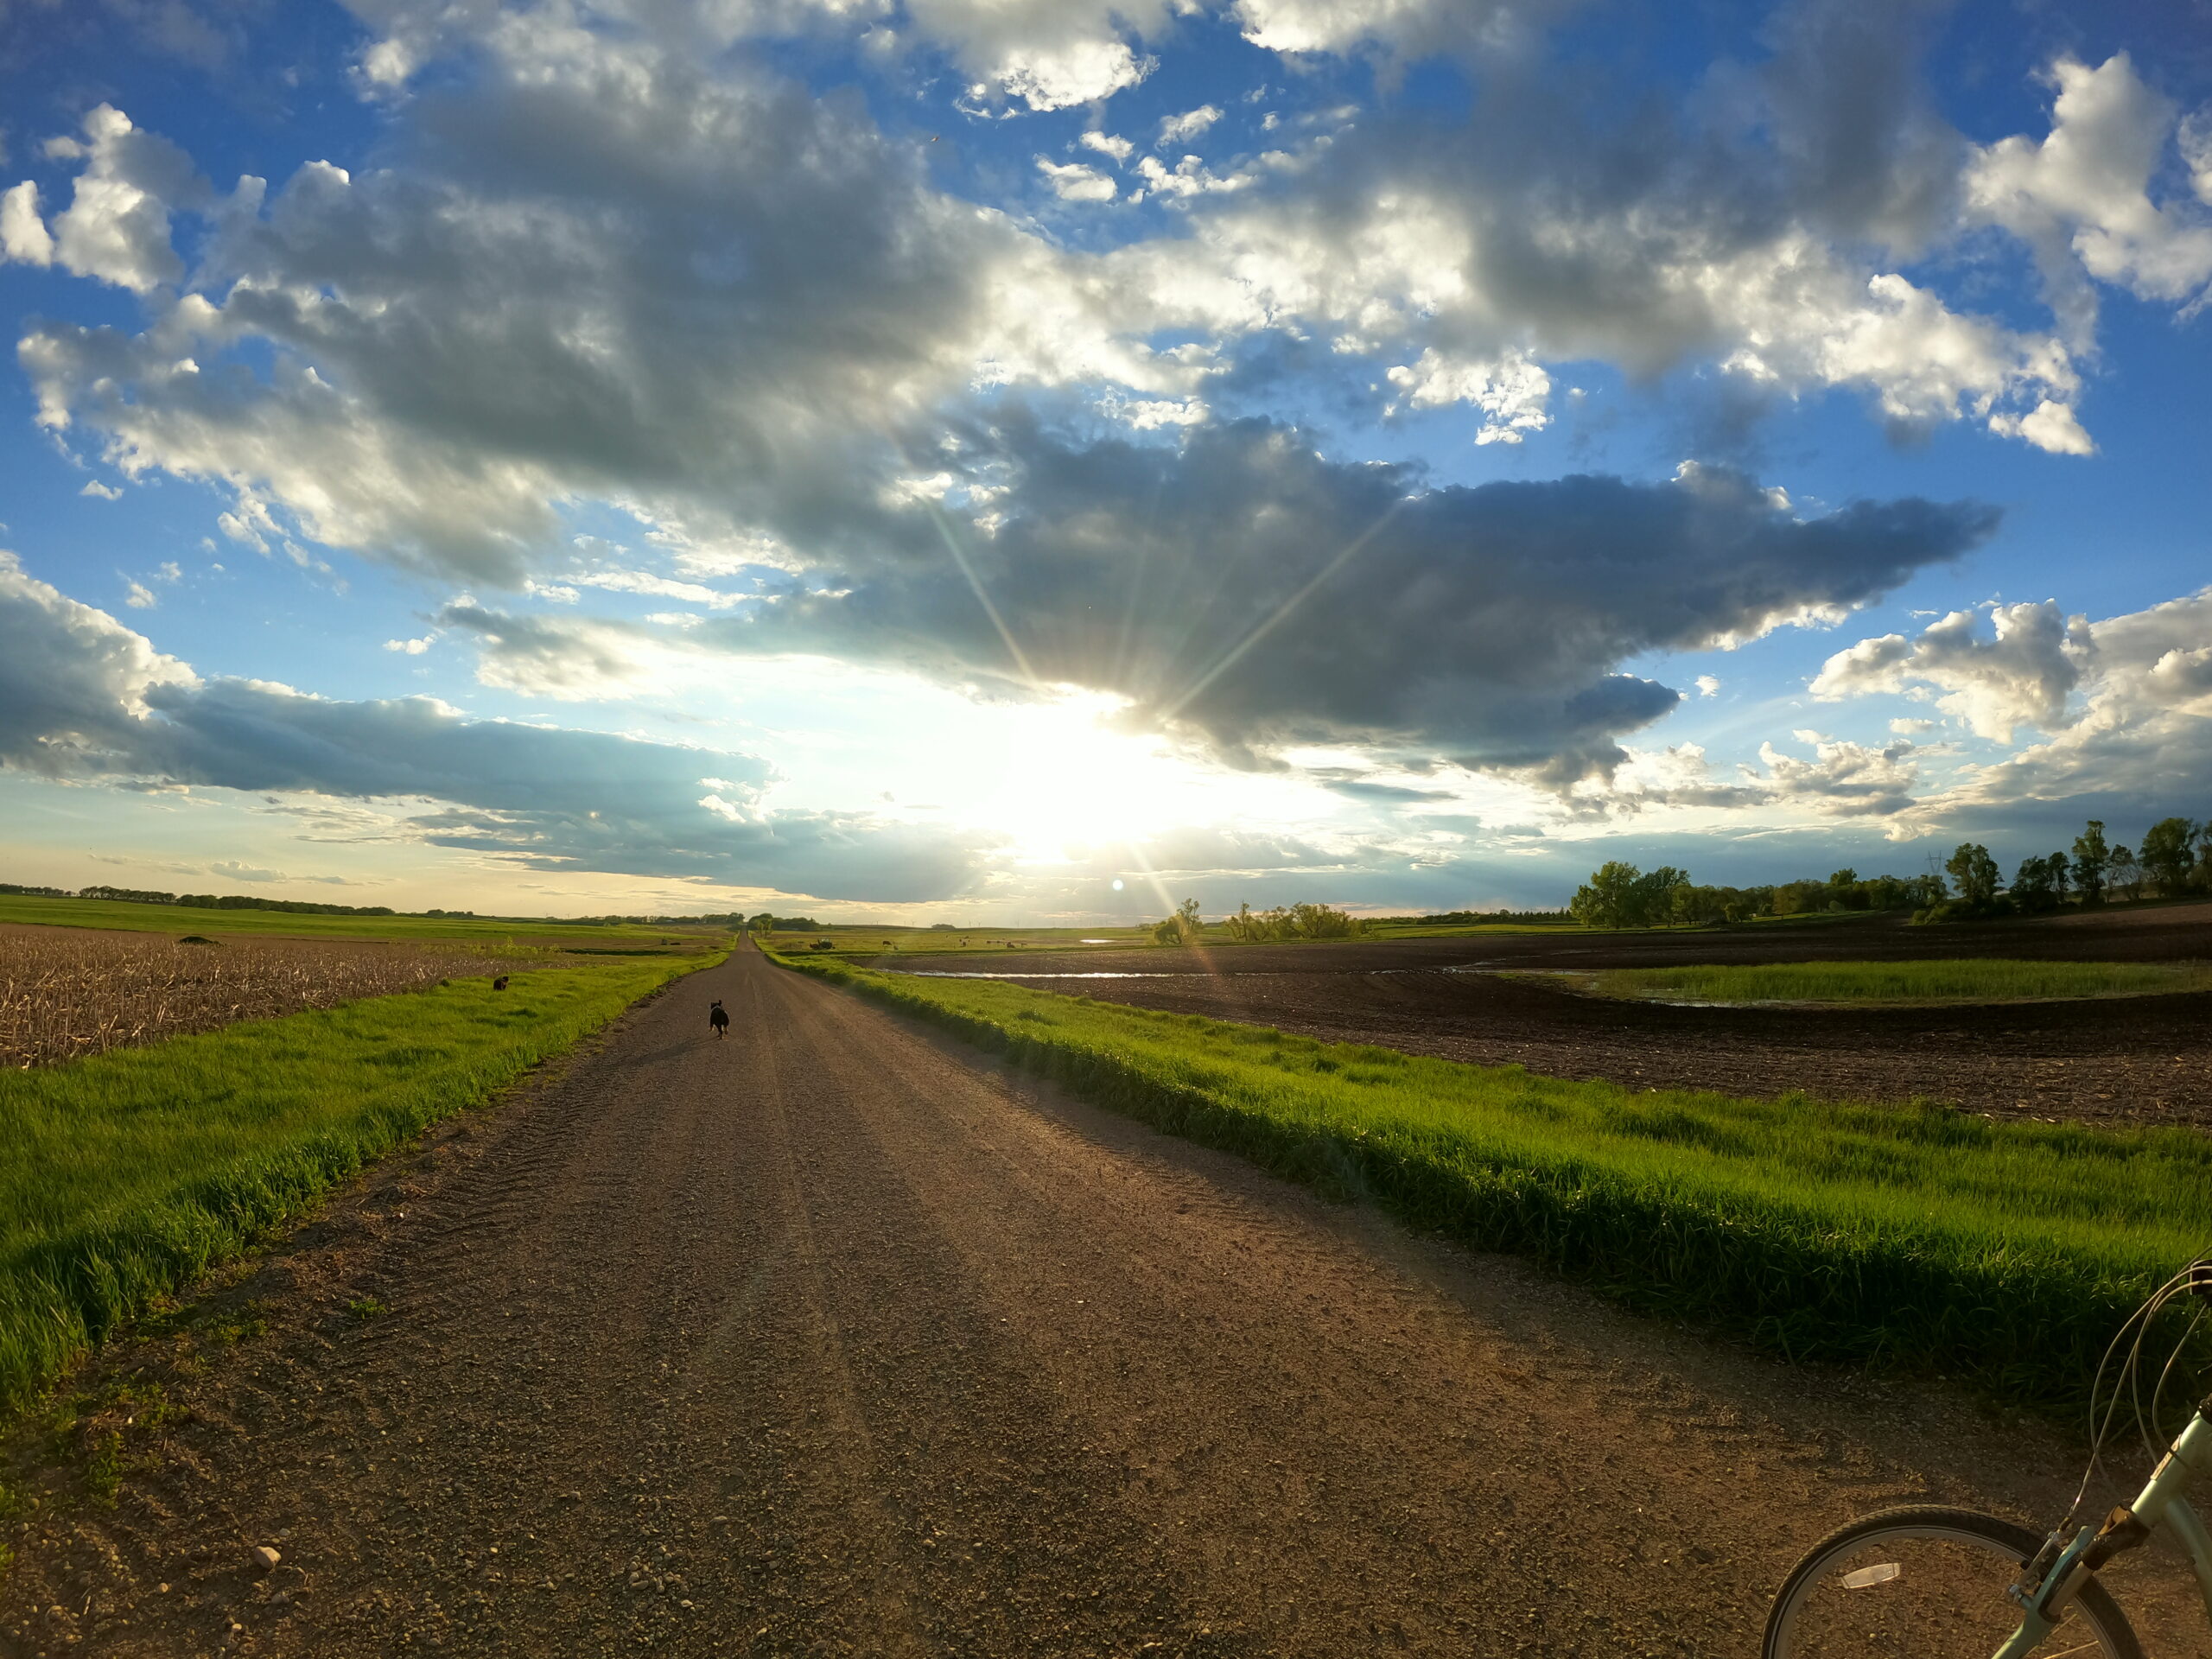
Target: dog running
[(718, 1017)]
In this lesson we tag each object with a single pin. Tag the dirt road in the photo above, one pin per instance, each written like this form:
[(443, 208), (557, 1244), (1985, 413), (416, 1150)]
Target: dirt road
[(829, 1339)]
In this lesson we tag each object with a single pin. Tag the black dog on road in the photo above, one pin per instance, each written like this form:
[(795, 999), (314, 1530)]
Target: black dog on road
[(718, 1017)]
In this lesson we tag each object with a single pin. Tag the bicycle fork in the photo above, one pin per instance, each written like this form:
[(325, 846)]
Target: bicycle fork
[(2060, 1569)]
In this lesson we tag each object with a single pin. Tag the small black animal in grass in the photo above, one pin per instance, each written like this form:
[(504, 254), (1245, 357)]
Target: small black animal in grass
[(718, 1017), (500, 983)]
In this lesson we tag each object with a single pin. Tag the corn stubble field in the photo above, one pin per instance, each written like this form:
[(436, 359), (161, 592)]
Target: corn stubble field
[(68, 993)]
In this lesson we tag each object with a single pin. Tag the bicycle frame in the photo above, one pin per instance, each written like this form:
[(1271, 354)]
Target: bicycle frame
[(2161, 1503)]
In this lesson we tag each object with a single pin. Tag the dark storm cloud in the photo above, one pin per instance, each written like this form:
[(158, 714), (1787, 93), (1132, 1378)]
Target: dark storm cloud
[(83, 699), (1245, 588)]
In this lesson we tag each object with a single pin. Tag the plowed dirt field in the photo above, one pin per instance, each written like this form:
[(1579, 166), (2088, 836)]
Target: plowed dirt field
[(2133, 1059)]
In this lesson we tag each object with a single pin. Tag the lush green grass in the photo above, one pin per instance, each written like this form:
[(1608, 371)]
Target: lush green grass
[(216, 924), (1968, 980), (123, 1177), (1903, 1236)]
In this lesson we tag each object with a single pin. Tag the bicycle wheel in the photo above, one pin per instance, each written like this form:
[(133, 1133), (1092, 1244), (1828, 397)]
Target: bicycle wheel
[(1927, 1583)]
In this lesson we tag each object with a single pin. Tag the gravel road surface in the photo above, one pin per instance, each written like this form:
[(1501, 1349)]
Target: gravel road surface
[(832, 1339)]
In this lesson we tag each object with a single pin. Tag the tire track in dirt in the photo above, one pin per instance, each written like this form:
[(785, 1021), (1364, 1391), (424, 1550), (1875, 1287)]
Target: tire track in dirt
[(834, 1339)]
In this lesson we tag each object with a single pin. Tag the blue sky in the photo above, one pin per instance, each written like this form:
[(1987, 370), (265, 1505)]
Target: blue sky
[(947, 460)]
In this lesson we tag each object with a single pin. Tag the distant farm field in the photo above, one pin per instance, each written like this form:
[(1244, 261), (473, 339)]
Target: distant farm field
[(2002, 1252), (68, 992), (124, 1176), (185, 919), (1848, 983)]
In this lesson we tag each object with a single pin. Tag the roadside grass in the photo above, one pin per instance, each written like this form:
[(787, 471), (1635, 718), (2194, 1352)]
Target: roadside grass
[(124, 1176), (1859, 983), (217, 924), (1911, 1238)]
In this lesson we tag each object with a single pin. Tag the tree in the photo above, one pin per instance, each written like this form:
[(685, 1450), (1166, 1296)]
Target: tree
[(2167, 857), (1181, 928), (1323, 922), (2035, 891), (1975, 872), (1608, 899), (1654, 900), (2091, 858), (2123, 872)]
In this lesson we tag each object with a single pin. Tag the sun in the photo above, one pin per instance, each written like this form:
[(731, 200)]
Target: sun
[(1073, 785)]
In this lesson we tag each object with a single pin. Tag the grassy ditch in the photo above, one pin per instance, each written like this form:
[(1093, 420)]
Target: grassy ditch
[(1909, 1239), (1857, 984), (125, 1176)]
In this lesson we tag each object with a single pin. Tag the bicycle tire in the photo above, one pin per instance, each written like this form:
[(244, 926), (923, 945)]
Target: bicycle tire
[(2094, 1607)]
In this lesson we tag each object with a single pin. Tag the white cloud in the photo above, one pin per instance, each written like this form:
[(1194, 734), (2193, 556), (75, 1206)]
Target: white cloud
[(2142, 734), (1376, 249), (1707, 685), (1843, 779), (101, 492), (639, 582), (230, 870), (2021, 677), (2081, 197), (1181, 128), (1511, 392), (23, 235), (1108, 145), (1411, 27), (2194, 138), (411, 647), (2050, 427), (116, 225), (1074, 182), (1050, 54), (1189, 177), (138, 596)]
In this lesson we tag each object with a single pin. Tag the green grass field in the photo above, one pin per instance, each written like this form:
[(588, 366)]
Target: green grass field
[(1901, 1237), (1862, 983), (217, 924), (123, 1177)]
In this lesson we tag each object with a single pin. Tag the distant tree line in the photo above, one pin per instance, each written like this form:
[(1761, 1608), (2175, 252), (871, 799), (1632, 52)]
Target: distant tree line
[(1302, 921), (1621, 895), (228, 901), (2174, 860)]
